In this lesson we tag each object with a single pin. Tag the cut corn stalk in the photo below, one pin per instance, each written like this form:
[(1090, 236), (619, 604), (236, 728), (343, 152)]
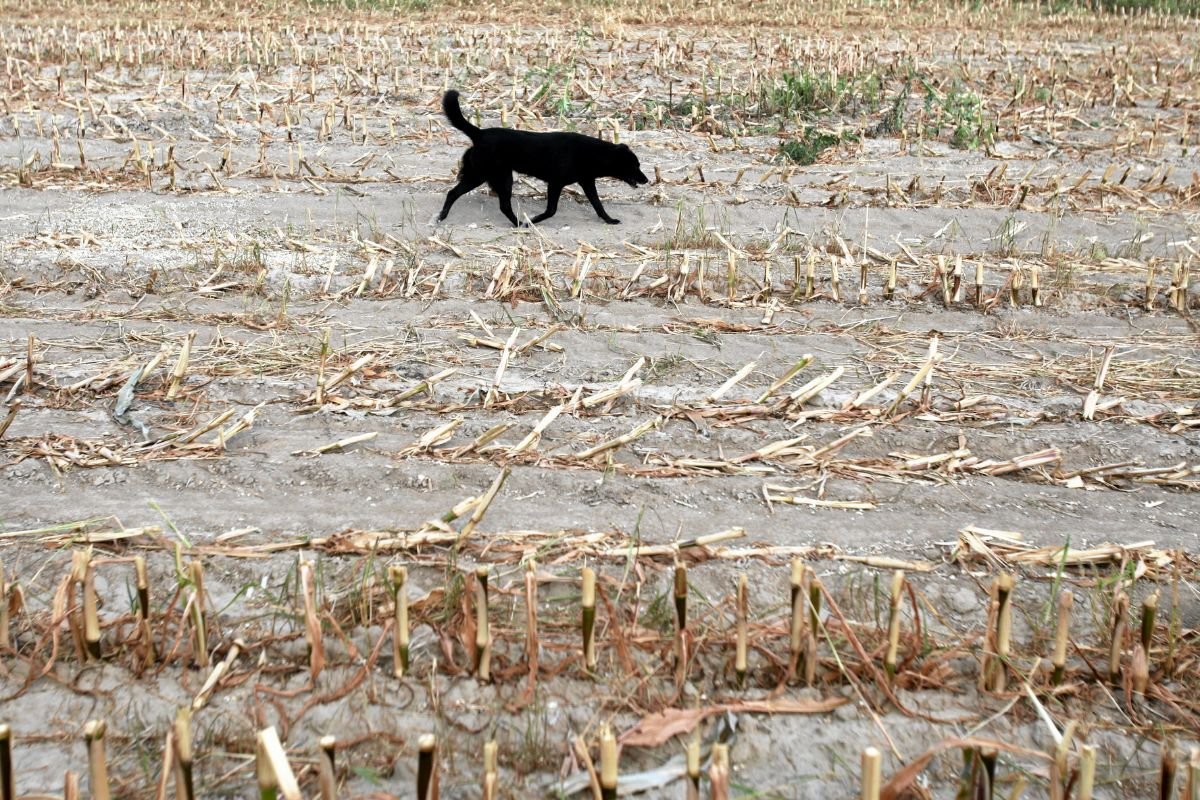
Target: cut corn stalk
[(1093, 397), (93, 734), (340, 444), (8, 778), (893, 649), (483, 636), (872, 778), (432, 438), (814, 387), (742, 611), (427, 768), (219, 672), (623, 439), (1061, 633), (535, 435), (589, 619), (274, 771), (784, 494), (608, 764), (780, 382), (312, 621), (182, 740), (327, 768), (917, 379), (481, 506), (340, 378), (734, 380), (181, 366)]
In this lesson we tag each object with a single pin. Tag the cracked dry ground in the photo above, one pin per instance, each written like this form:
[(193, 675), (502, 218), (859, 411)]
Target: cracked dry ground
[(259, 186)]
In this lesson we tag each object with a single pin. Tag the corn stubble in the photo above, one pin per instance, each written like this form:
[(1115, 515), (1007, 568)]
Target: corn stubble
[(295, 82)]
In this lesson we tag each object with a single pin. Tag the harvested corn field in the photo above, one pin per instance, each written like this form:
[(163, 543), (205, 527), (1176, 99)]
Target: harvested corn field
[(860, 460)]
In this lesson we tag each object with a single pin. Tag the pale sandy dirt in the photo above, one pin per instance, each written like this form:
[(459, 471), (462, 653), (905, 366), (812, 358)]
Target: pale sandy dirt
[(102, 273)]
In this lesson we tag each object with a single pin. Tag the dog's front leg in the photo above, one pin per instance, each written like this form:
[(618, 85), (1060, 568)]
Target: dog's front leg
[(465, 184), (589, 188)]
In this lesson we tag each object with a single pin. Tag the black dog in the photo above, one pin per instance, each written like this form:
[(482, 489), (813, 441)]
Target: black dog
[(556, 158)]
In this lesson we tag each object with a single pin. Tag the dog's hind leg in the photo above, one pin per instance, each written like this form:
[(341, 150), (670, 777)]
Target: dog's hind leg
[(501, 183), (589, 188), (468, 179), (552, 193)]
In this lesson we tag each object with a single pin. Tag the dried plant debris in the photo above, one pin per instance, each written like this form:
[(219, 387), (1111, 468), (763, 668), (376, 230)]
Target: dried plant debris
[(860, 459)]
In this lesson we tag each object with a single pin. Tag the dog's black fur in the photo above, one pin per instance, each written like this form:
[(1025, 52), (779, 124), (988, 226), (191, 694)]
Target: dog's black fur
[(558, 159)]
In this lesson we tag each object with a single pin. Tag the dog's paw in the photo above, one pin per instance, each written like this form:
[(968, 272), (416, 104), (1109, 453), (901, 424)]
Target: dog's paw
[(612, 221)]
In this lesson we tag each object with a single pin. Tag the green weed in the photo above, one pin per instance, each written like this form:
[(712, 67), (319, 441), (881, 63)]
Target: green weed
[(962, 112), (1186, 8), (809, 145), (810, 94)]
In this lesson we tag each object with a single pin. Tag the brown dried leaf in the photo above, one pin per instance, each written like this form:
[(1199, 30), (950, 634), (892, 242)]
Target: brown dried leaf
[(659, 728)]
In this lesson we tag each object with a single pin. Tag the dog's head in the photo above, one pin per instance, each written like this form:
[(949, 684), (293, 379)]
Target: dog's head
[(627, 168)]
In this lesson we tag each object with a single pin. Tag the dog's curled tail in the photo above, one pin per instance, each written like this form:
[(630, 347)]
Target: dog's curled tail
[(454, 113)]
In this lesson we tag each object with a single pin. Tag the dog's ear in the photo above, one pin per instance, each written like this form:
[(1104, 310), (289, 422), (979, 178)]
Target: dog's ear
[(624, 147)]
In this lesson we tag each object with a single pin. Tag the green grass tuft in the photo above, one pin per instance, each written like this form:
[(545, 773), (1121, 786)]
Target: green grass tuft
[(811, 94), (809, 146)]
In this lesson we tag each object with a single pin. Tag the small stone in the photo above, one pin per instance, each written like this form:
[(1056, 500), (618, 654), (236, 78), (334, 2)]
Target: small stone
[(846, 712), (963, 600)]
